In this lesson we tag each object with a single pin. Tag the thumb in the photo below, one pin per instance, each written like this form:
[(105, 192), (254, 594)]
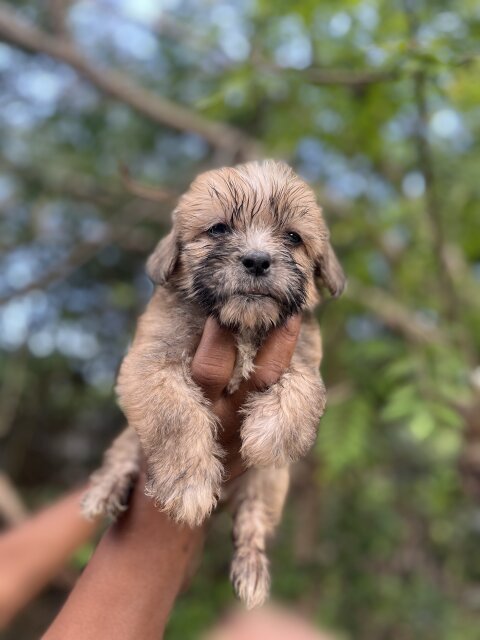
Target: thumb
[(273, 358)]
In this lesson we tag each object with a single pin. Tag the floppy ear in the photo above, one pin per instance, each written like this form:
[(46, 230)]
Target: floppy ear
[(162, 262), (329, 271)]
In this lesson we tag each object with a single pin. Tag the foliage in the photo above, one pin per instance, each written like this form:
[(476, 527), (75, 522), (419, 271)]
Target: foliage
[(376, 104)]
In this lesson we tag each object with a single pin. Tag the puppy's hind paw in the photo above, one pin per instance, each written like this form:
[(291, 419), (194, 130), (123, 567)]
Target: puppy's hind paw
[(250, 576), (106, 499)]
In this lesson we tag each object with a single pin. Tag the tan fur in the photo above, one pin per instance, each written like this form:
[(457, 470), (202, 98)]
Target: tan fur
[(257, 503), (111, 484), (198, 274)]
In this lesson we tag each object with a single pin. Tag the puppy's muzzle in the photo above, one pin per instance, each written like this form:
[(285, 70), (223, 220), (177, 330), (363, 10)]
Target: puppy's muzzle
[(257, 263)]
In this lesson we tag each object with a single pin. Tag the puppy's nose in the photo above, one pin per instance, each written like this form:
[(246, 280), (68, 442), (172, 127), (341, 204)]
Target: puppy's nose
[(256, 262)]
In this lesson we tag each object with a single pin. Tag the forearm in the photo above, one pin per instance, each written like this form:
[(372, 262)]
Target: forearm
[(34, 552), (129, 586)]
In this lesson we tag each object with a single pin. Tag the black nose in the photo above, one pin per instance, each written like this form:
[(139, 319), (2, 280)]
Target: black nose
[(256, 262)]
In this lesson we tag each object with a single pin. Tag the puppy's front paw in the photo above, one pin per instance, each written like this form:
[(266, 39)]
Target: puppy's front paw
[(267, 441), (281, 424), (190, 495), (250, 576)]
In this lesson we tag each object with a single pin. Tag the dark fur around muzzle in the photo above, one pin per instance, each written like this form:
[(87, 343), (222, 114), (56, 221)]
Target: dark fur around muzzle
[(221, 276)]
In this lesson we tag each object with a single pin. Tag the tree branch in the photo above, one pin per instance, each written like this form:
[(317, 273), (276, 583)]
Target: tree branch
[(120, 231), (426, 165), (331, 77), (347, 78), (20, 33), (78, 187), (83, 188), (394, 314), (58, 10), (432, 203), (144, 191), (12, 509), (80, 254)]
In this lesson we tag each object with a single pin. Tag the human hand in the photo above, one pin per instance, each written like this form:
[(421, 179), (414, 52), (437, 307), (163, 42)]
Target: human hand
[(212, 369), (145, 549)]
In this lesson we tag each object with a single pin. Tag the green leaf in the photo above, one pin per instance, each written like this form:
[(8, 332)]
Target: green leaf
[(422, 424)]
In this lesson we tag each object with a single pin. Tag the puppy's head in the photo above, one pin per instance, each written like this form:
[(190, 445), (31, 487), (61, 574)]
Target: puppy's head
[(249, 245)]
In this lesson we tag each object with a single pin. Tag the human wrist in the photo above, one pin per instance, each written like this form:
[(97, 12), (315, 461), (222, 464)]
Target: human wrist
[(135, 574)]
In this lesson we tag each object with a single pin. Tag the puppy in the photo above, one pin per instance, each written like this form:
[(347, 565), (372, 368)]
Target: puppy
[(249, 246)]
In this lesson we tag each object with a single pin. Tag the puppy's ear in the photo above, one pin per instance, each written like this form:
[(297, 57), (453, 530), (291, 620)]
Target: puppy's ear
[(162, 262), (329, 272)]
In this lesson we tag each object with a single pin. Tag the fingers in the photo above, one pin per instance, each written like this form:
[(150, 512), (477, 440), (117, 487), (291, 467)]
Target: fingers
[(274, 356), (214, 360)]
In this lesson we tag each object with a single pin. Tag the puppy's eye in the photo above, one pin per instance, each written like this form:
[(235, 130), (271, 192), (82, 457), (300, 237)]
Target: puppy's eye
[(218, 229), (294, 237)]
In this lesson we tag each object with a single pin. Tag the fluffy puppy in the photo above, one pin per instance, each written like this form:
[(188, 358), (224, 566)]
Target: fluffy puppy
[(248, 246)]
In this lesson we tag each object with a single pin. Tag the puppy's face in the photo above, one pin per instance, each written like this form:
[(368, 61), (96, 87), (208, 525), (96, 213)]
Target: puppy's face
[(249, 245)]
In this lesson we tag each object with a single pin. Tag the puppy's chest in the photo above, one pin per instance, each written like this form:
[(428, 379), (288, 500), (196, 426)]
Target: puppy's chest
[(246, 350)]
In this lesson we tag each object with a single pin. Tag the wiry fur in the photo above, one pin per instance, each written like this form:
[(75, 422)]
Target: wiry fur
[(112, 483), (198, 275), (257, 508)]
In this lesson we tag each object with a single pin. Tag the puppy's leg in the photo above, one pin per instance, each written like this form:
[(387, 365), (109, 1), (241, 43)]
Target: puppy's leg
[(281, 423), (258, 505), (111, 484), (177, 431)]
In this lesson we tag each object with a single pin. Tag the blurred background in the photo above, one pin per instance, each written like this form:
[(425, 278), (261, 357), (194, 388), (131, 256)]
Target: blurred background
[(108, 109)]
